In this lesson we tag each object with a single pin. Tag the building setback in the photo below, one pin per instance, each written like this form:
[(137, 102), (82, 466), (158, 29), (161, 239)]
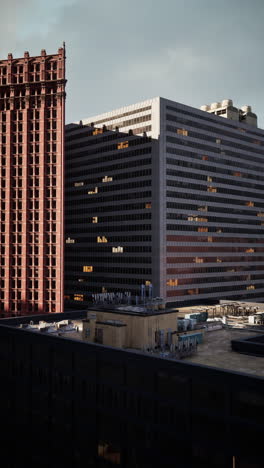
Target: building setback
[(162, 193), (32, 153)]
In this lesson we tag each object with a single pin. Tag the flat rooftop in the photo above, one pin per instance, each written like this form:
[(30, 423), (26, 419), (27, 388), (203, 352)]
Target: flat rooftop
[(216, 351)]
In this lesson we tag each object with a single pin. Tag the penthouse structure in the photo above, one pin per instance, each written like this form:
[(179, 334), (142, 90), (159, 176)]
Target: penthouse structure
[(31, 167), (163, 194)]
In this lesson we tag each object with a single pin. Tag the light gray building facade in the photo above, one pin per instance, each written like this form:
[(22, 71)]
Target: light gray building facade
[(165, 194)]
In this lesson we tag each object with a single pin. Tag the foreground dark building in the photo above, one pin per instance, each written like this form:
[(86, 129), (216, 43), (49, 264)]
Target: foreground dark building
[(68, 403)]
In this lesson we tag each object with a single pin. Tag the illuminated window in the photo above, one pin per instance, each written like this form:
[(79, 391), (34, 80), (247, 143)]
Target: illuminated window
[(202, 208), (181, 131), (260, 214), (78, 297), (218, 231), (70, 241), (87, 269), (249, 203), (94, 219), (218, 260), (122, 145), (209, 239), (251, 286), (209, 179), (109, 453), (250, 250), (172, 282), (148, 205), (202, 229), (107, 179), (147, 283), (78, 184), (104, 290), (101, 240), (198, 260), (91, 192), (117, 249), (205, 158), (237, 174), (97, 131), (211, 189), (197, 218), (193, 291), (218, 141)]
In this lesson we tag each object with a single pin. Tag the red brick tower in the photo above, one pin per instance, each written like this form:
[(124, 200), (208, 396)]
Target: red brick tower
[(32, 117)]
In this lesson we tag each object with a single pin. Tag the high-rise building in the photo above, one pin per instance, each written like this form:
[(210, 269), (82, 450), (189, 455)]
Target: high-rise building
[(165, 195), (32, 118)]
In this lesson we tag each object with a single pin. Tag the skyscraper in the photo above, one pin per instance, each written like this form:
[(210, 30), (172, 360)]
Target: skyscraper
[(32, 113), (159, 193)]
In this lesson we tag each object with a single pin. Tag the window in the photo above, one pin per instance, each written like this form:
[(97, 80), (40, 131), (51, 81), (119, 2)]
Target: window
[(102, 239), (117, 249), (107, 179), (181, 131), (91, 192), (122, 145), (94, 219), (78, 297), (87, 269)]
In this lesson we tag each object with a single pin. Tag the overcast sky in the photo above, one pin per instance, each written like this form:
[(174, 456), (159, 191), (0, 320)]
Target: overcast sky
[(123, 51)]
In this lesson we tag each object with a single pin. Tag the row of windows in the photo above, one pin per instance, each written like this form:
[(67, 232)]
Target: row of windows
[(207, 218), (214, 290), (112, 270), (110, 198), (113, 208), (121, 228), (227, 123), (105, 149), (188, 248), (195, 270), (208, 197), (233, 230), (210, 279), (113, 239), (105, 169), (213, 129), (233, 161), (75, 261), (211, 259), (206, 208), (213, 139), (207, 170), (121, 176), (193, 186)]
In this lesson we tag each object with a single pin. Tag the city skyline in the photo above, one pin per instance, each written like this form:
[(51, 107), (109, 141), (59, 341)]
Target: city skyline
[(191, 52)]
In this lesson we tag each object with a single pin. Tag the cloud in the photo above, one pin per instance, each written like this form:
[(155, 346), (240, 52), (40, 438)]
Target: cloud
[(119, 52)]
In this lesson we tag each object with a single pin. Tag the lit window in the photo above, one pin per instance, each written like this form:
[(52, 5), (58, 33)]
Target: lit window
[(202, 229), (209, 179), (78, 184), (250, 250), (97, 131), (251, 286), (198, 260), (202, 208), (117, 249), (148, 205), (147, 283), (107, 179), (172, 282), (218, 260), (78, 297), (218, 141), (209, 239), (211, 189), (205, 158), (122, 145), (91, 192), (94, 219), (70, 241), (260, 214), (87, 269), (237, 174), (249, 203), (181, 131), (102, 239)]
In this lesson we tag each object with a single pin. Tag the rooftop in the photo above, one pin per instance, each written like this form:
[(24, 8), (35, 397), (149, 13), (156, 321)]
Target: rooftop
[(216, 351)]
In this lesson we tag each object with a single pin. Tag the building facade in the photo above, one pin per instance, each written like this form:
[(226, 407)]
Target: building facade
[(32, 115), (81, 404), (202, 238)]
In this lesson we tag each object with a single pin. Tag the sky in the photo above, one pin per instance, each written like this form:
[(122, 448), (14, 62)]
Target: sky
[(120, 52)]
